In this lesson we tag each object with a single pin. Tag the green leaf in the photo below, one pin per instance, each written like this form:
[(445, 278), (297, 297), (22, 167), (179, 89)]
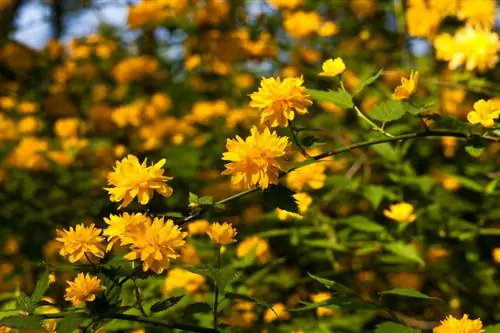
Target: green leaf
[(390, 327), (388, 111), (413, 109), (387, 151), (407, 293), (193, 198), (359, 222), (332, 285), (207, 201), (31, 322), (407, 251), (324, 244), (70, 323), (41, 287), (469, 183), (166, 303), (475, 148), (368, 81), (222, 277), (492, 329), (196, 308), (341, 98), (25, 303), (374, 194), (279, 196)]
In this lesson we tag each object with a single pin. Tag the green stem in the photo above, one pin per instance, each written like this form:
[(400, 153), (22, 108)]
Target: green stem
[(134, 318), (216, 296)]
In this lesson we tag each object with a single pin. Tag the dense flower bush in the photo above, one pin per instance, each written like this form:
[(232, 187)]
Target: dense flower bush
[(297, 167)]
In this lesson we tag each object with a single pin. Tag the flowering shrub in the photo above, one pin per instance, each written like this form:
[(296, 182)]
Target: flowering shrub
[(301, 169)]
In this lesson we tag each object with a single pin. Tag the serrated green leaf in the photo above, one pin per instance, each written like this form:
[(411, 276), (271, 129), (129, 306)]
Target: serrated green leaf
[(359, 222), (70, 323), (390, 327), (279, 196), (407, 293), (332, 285), (30, 322), (41, 287), (166, 303), (368, 81), (341, 98), (389, 110), (407, 251)]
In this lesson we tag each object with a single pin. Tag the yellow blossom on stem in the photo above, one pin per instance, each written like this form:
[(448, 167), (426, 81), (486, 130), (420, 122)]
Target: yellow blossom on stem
[(280, 100), (178, 278), (333, 67), (464, 325), (484, 113), (401, 212), (80, 242), (257, 244), (198, 227), (407, 87), (277, 312), (257, 160), (122, 228), (83, 289), (222, 234), (130, 179), (312, 175), (156, 243)]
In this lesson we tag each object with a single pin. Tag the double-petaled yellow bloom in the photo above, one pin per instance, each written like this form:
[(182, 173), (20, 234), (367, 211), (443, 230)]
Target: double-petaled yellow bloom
[(81, 243), (222, 234), (257, 160), (280, 100), (333, 67), (407, 88), (156, 244), (484, 113), (401, 212), (464, 325), (130, 179), (83, 289), (122, 228)]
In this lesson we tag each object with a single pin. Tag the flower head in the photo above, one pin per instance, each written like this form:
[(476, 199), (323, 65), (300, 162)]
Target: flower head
[(280, 100), (407, 87), (303, 200), (257, 244), (332, 67), (122, 228), (80, 242), (312, 175), (464, 325), (256, 160), (276, 312), (401, 212), (83, 289), (485, 113), (178, 278), (155, 244), (198, 227), (322, 311), (222, 234), (129, 179)]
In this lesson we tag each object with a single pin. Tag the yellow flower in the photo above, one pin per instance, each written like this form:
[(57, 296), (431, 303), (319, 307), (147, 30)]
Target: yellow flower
[(407, 87), (135, 68), (81, 243), (276, 312), (322, 311), (485, 113), (280, 100), (178, 278), (401, 212), (129, 179), (288, 4), (303, 200), (257, 244), (496, 255), (301, 24), (481, 13), (464, 325), (83, 289), (198, 227), (222, 234), (67, 127), (418, 27), (122, 228), (155, 244), (472, 47), (312, 175), (257, 160), (333, 67)]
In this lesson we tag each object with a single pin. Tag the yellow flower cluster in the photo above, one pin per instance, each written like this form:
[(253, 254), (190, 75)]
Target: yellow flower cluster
[(154, 11), (135, 68), (301, 24), (476, 48)]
